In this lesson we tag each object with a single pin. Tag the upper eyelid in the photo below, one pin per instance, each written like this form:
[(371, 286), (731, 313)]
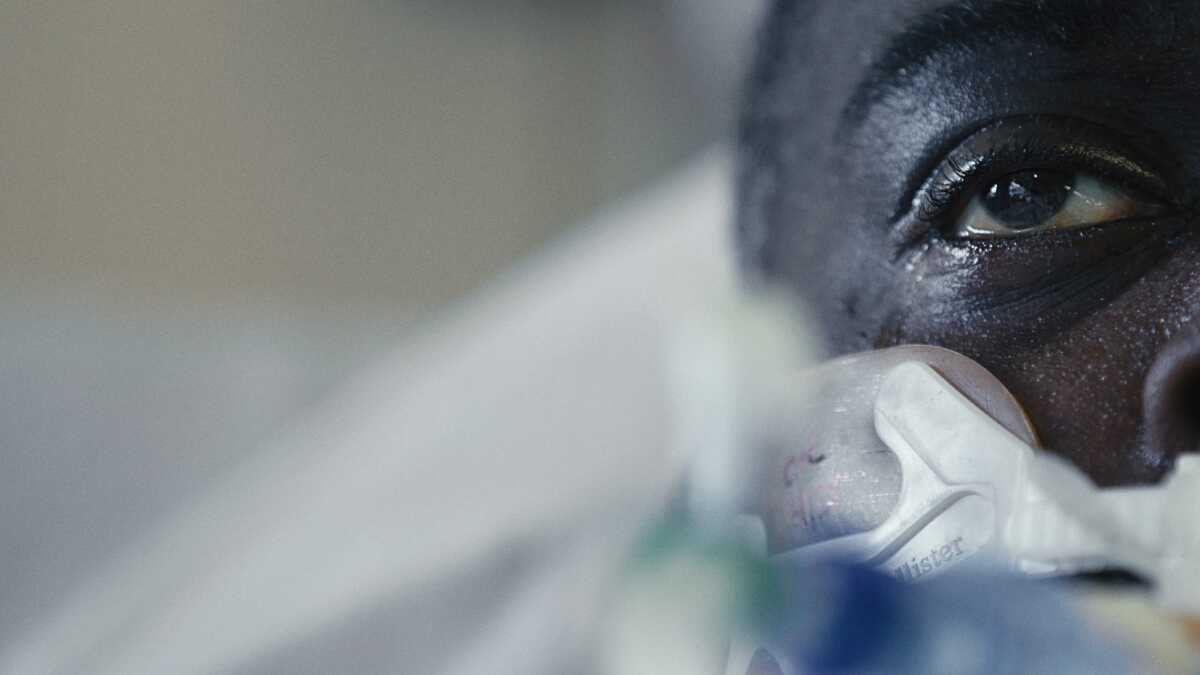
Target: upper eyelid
[(927, 165), (934, 187), (908, 225), (932, 160)]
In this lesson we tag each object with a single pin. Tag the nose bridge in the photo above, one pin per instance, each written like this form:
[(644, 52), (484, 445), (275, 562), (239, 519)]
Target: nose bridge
[(1172, 394)]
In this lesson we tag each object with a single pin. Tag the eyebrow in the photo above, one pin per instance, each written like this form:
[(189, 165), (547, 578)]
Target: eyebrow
[(1085, 28)]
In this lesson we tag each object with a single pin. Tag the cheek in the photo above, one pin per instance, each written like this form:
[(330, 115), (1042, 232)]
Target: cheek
[(1081, 380), (1083, 389)]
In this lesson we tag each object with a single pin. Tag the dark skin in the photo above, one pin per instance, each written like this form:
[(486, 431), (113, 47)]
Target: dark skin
[(1011, 179)]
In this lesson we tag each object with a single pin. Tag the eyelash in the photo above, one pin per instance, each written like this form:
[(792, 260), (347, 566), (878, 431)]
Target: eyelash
[(1043, 142)]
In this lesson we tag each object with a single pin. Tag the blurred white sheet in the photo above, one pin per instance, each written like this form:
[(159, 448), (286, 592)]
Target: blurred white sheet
[(460, 508)]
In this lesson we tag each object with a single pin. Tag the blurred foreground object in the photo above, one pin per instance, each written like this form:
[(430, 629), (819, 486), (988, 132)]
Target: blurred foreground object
[(461, 508), (846, 619), (915, 460), (878, 459), (468, 506), (946, 483)]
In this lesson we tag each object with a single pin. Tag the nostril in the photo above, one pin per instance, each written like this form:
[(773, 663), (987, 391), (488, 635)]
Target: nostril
[(1187, 404), (1173, 399)]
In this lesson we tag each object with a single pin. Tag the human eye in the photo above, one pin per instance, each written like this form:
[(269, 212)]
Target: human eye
[(1020, 178), (1037, 200), (1028, 224)]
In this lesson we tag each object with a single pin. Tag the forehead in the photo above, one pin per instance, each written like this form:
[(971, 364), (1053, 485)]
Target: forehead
[(856, 88), (852, 36), (831, 64)]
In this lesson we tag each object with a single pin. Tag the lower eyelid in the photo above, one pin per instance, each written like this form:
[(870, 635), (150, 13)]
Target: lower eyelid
[(1043, 285)]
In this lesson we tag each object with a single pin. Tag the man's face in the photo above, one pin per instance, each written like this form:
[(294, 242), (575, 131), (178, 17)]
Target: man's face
[(1012, 179)]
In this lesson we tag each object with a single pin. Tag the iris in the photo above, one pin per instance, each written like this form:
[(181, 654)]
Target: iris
[(1028, 199)]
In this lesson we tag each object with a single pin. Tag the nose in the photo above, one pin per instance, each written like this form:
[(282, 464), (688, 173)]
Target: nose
[(1172, 395)]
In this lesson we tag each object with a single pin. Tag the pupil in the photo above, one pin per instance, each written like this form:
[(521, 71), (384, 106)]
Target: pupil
[(1028, 199)]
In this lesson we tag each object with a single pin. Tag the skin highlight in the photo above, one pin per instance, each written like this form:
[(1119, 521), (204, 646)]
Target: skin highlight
[(868, 128)]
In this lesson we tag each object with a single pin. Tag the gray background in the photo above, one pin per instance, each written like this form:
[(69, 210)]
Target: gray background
[(213, 212)]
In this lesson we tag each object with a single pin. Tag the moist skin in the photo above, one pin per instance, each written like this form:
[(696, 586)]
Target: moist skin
[(854, 105)]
